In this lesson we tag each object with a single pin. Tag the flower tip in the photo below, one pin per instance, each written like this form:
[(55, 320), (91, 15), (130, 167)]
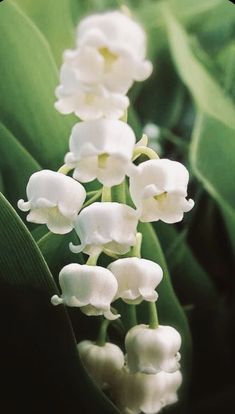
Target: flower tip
[(56, 300), (111, 316), (191, 203), (24, 205), (75, 248)]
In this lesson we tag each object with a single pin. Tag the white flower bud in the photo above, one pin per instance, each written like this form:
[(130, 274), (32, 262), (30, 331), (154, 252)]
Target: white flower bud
[(135, 393), (137, 279), (112, 42), (110, 226), (102, 362), (153, 350), (101, 149), (159, 189), (91, 288), (88, 102), (53, 199)]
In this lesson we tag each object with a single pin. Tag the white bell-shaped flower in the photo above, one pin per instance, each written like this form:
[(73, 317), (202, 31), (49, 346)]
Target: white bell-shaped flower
[(108, 44), (91, 288), (159, 189), (87, 101), (102, 362), (110, 226), (153, 350), (101, 149), (53, 199), (137, 279), (174, 381), (135, 393)]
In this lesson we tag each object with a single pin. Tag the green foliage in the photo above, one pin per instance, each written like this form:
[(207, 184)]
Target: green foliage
[(28, 79), (191, 96), (38, 337), (54, 20)]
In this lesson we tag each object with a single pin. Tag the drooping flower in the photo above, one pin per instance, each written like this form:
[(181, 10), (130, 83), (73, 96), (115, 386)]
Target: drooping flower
[(91, 288), (153, 350), (110, 226), (102, 362), (135, 393), (110, 43), (137, 279), (101, 149), (53, 199), (159, 189), (87, 101)]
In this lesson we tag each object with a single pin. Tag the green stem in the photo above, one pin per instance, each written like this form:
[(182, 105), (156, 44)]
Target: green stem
[(106, 194), (91, 200), (110, 254), (149, 152), (64, 169), (136, 249), (92, 260), (153, 318), (131, 316), (119, 192), (101, 339)]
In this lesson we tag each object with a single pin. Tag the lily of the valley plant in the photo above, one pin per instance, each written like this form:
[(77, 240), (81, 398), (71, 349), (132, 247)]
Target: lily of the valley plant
[(110, 54)]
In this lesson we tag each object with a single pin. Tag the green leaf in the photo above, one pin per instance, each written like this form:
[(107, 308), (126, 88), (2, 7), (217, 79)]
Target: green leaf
[(213, 145), (16, 165), (28, 79), (191, 281), (55, 250), (41, 368), (206, 92), (162, 94), (170, 311), (54, 20), (212, 159)]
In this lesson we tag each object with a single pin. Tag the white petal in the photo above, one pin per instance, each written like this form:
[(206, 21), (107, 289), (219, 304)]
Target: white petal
[(102, 362), (103, 224), (24, 205), (119, 32), (54, 199), (137, 278), (92, 288), (152, 350), (158, 189)]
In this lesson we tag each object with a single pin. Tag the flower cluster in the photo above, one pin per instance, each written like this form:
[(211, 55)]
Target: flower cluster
[(94, 80)]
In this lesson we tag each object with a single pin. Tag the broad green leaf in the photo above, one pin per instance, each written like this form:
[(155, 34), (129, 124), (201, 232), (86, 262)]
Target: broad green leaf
[(134, 122), (226, 62), (41, 368), (213, 161), (170, 311), (16, 165), (192, 283), (55, 250), (28, 79), (162, 94), (212, 150), (206, 92), (54, 20)]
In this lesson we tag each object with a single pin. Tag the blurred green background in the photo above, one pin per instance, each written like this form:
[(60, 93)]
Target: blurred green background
[(191, 98)]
